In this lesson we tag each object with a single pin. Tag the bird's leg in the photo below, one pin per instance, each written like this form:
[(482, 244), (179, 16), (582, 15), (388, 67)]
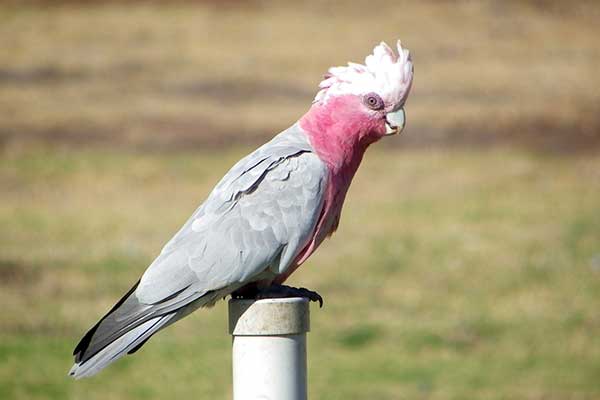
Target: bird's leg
[(254, 291), (249, 291)]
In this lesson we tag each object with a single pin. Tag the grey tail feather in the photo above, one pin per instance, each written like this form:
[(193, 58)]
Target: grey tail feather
[(129, 324), (126, 315), (80, 350), (124, 329), (129, 342)]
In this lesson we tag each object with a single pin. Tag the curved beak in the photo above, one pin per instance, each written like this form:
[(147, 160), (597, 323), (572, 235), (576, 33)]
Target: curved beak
[(394, 122)]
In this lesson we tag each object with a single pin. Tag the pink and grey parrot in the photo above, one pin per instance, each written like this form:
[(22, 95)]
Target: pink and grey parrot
[(266, 216)]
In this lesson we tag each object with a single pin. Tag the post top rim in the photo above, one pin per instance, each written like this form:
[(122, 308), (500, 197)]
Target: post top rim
[(271, 300), (266, 317)]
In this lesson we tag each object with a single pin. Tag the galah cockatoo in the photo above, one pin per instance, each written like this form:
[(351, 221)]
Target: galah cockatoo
[(267, 215)]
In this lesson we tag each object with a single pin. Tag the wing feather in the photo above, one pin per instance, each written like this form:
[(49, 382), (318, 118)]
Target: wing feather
[(259, 216), (252, 226)]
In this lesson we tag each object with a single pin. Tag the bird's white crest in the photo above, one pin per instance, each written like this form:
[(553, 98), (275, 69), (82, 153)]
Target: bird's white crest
[(385, 73)]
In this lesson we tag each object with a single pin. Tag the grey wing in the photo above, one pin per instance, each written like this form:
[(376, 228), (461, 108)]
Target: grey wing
[(252, 226)]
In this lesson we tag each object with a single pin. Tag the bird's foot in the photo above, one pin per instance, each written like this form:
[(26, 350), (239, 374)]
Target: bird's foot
[(283, 291), (276, 291)]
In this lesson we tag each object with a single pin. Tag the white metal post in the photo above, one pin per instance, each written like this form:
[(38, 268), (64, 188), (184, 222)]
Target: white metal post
[(269, 348)]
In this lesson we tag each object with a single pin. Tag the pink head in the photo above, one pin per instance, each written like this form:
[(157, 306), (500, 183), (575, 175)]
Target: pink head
[(359, 104)]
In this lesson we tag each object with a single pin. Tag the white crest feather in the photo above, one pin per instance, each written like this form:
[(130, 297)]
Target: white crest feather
[(385, 73)]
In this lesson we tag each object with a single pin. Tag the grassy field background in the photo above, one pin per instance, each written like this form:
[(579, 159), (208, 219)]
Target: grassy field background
[(467, 263)]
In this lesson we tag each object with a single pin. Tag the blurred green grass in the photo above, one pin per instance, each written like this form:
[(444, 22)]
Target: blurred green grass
[(454, 274), (467, 266)]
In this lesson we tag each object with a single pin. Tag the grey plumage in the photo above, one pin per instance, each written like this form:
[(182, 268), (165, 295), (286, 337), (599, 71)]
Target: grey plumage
[(251, 227)]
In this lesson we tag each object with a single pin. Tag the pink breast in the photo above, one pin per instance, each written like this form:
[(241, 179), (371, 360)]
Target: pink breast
[(326, 225)]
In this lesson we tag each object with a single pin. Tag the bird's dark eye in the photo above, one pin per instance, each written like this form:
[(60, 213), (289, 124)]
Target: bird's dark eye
[(373, 101)]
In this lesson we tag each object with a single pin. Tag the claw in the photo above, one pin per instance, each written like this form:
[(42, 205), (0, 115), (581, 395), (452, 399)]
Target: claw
[(312, 296), (281, 291)]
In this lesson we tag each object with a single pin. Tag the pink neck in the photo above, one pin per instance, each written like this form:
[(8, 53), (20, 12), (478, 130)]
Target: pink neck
[(340, 132)]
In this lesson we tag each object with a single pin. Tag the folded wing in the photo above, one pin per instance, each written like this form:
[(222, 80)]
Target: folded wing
[(251, 227)]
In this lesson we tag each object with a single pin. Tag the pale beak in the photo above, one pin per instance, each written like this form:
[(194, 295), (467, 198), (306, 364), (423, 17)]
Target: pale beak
[(394, 122)]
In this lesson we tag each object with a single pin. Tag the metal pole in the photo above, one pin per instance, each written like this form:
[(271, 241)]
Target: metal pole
[(269, 348)]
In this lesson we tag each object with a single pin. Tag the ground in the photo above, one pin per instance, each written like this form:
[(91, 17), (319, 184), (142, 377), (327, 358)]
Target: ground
[(467, 262)]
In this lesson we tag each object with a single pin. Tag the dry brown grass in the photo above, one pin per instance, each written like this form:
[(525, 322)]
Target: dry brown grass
[(195, 74)]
